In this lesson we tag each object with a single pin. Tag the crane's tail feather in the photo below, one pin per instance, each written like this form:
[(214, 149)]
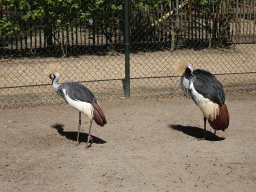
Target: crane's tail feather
[(221, 122), (98, 115)]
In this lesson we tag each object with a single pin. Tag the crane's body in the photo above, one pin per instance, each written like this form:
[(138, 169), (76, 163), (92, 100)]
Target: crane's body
[(82, 99), (207, 92)]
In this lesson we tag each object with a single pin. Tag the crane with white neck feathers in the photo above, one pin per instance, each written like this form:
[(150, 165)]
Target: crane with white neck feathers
[(82, 99), (208, 94)]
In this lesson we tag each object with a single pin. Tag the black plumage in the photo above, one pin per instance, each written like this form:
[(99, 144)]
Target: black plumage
[(207, 85), (78, 92)]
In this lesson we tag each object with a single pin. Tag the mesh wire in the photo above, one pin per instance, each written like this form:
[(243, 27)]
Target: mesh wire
[(91, 51)]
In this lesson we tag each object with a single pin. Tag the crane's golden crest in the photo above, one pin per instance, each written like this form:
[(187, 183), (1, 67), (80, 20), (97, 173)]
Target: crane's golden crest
[(180, 66), (52, 68)]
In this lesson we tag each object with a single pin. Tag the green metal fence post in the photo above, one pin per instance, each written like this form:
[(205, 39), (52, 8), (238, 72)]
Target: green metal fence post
[(127, 50)]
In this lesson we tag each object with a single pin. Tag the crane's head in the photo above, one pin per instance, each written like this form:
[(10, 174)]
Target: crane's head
[(54, 76), (188, 70), (186, 78)]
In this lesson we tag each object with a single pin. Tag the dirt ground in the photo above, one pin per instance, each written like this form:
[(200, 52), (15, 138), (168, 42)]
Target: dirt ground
[(151, 144)]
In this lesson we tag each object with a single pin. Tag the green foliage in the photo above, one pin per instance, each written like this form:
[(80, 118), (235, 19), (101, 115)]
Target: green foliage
[(200, 2), (61, 14), (204, 3), (148, 3), (7, 27)]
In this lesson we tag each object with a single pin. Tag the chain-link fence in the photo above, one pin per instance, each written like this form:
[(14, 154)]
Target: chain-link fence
[(87, 41)]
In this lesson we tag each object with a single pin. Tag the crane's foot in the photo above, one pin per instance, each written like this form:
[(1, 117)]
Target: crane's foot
[(202, 139), (89, 142), (77, 143), (88, 145)]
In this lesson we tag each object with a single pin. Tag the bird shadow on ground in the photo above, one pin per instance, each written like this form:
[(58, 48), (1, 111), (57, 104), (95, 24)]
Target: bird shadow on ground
[(72, 135), (196, 132)]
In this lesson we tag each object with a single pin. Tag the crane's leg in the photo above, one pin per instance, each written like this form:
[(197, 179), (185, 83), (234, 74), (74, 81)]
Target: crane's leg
[(89, 135), (205, 119), (79, 125)]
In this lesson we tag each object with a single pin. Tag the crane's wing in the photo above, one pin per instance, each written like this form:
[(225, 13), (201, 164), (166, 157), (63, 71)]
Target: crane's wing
[(77, 91), (207, 85)]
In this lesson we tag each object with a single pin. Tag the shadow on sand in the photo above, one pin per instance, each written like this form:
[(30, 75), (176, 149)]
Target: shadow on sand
[(196, 132), (72, 135)]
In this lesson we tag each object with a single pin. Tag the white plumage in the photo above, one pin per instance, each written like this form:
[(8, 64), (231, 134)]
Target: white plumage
[(210, 110), (81, 106)]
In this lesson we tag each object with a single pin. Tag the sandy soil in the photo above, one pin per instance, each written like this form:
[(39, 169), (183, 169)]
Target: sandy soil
[(151, 144)]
